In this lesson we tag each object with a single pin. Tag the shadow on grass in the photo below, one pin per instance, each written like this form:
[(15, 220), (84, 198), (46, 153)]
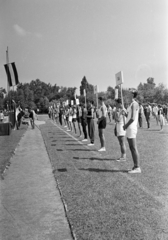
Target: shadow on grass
[(68, 140), (71, 144), (82, 150), (150, 130), (99, 159), (62, 170), (102, 170)]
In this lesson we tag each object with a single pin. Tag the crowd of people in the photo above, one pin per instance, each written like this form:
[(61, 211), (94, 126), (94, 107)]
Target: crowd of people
[(25, 116), (80, 118)]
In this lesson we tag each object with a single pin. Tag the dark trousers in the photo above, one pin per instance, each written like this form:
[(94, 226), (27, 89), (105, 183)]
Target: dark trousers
[(140, 120), (148, 121), (84, 124), (60, 119), (91, 129)]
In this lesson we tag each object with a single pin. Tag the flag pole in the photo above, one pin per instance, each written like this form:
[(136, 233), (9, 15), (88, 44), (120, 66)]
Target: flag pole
[(8, 87), (97, 99), (122, 101), (7, 62)]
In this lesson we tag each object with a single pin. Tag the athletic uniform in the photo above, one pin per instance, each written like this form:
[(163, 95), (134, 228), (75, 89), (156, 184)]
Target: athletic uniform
[(131, 131), (119, 125), (102, 121), (84, 121), (79, 114), (91, 127)]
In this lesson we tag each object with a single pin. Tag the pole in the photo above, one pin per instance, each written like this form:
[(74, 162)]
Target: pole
[(97, 99), (121, 96), (8, 87), (7, 62), (122, 101)]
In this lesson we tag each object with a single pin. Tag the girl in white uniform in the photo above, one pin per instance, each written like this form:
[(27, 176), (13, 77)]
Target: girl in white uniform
[(131, 130), (120, 121)]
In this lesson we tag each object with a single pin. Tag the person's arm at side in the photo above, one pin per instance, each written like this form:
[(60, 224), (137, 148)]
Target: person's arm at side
[(133, 114)]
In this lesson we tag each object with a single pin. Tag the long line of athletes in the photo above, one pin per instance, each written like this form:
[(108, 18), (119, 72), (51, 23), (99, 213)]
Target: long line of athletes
[(70, 115), (126, 122)]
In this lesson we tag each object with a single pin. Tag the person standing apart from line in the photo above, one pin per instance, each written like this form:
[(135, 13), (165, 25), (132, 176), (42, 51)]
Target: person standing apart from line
[(90, 122), (161, 117), (141, 113), (109, 111), (147, 112), (120, 121), (102, 124), (32, 117), (155, 113), (132, 128)]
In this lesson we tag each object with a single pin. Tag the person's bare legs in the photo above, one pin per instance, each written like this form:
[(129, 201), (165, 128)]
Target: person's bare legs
[(121, 140), (102, 138), (134, 151)]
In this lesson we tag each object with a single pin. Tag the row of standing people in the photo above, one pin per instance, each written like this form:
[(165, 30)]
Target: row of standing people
[(84, 117), (159, 112), (126, 125)]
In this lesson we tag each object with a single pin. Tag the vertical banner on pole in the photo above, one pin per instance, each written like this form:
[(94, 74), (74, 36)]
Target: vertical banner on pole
[(72, 102)]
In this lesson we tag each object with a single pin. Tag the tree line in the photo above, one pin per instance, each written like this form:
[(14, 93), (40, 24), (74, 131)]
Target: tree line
[(38, 94)]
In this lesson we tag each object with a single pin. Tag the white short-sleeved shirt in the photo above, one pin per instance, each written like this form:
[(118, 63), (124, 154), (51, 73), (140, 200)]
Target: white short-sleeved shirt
[(131, 131)]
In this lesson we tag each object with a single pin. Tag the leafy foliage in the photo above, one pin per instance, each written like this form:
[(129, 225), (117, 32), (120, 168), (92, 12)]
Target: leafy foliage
[(38, 94)]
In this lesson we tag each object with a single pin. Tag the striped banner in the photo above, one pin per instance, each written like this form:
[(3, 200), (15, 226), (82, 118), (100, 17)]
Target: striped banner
[(12, 74)]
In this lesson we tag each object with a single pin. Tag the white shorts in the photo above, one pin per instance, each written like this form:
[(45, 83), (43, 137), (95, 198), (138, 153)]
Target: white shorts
[(131, 132), (120, 130), (70, 118)]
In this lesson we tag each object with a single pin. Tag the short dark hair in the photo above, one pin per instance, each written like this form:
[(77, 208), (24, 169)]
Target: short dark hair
[(101, 98), (91, 101), (118, 100), (134, 92)]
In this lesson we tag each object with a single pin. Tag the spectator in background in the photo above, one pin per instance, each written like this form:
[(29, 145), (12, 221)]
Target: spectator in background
[(109, 112), (141, 113), (1, 116), (32, 117), (165, 112), (155, 113), (161, 117), (147, 112)]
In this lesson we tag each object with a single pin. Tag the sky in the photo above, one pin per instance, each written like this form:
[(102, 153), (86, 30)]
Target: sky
[(61, 41)]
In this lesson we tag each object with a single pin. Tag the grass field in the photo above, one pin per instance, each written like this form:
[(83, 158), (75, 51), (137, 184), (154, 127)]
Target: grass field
[(103, 200), (8, 145)]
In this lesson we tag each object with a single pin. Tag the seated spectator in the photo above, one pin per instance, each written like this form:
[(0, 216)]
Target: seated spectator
[(1, 116)]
